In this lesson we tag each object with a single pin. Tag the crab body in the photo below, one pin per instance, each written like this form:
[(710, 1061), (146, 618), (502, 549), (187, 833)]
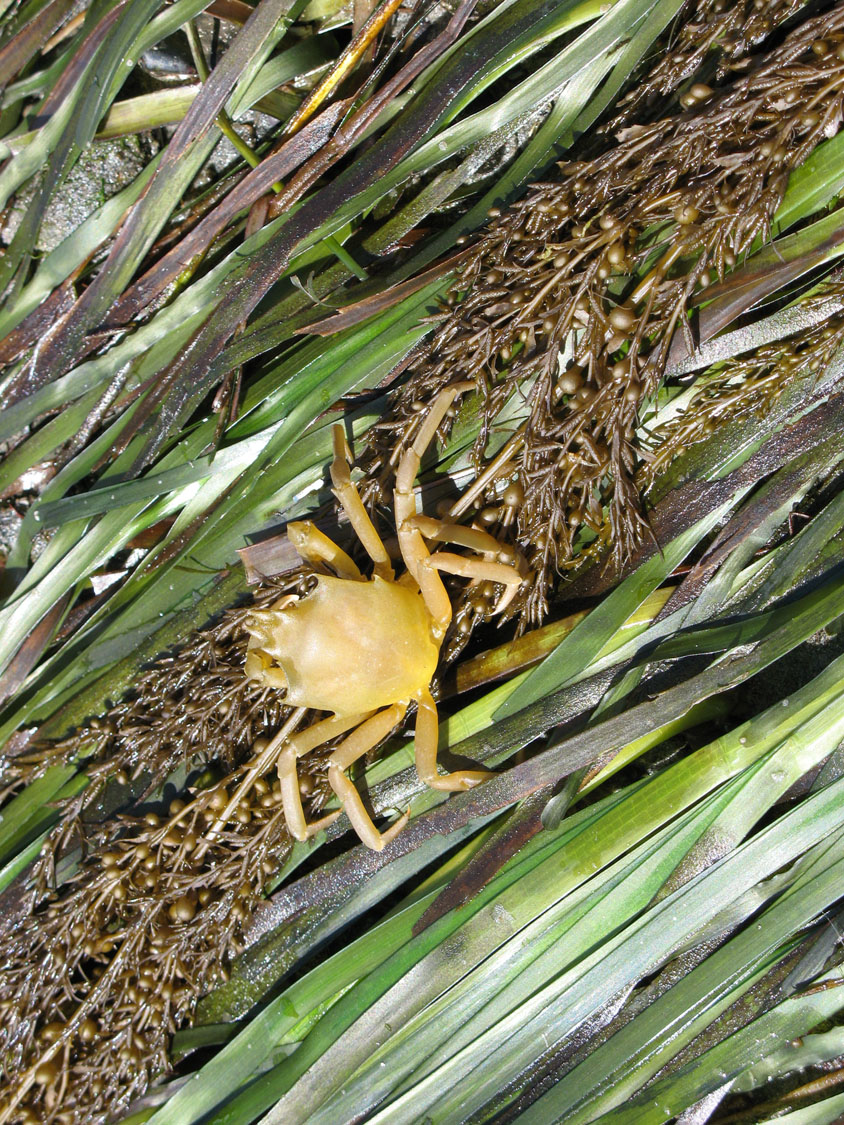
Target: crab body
[(349, 646)]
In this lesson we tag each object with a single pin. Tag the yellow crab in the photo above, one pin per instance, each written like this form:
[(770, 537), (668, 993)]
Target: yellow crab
[(364, 649)]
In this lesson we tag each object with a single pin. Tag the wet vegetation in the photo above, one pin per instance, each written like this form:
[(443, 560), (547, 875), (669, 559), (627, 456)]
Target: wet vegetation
[(619, 226)]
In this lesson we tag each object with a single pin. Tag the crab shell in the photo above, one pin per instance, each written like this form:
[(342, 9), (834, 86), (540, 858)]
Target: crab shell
[(348, 647)]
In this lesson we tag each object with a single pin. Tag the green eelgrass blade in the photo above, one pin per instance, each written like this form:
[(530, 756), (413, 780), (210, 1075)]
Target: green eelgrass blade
[(586, 640), (825, 1112), (557, 1010)]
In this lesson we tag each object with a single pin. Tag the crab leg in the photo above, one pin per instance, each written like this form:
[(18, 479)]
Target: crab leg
[(491, 569), (346, 492), (485, 569), (412, 457), (508, 576), (426, 751), (295, 747), (256, 767), (368, 734), (412, 545), (440, 531), (315, 548)]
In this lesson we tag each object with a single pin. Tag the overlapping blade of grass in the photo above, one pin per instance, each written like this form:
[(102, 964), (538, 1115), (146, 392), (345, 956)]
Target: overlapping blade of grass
[(588, 638), (78, 110), (727, 1067), (771, 268), (664, 1034), (559, 1008), (827, 1111), (732, 1065), (797, 422), (737, 573), (811, 186), (22, 816), (299, 392), (512, 920), (791, 1056), (509, 976), (92, 233), (809, 549), (26, 33)]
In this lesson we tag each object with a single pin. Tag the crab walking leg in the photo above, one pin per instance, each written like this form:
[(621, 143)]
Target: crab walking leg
[(427, 733), (440, 531), (346, 492), (316, 548), (260, 764), (412, 457), (480, 568), (412, 545), (434, 594), (367, 735), (288, 776)]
